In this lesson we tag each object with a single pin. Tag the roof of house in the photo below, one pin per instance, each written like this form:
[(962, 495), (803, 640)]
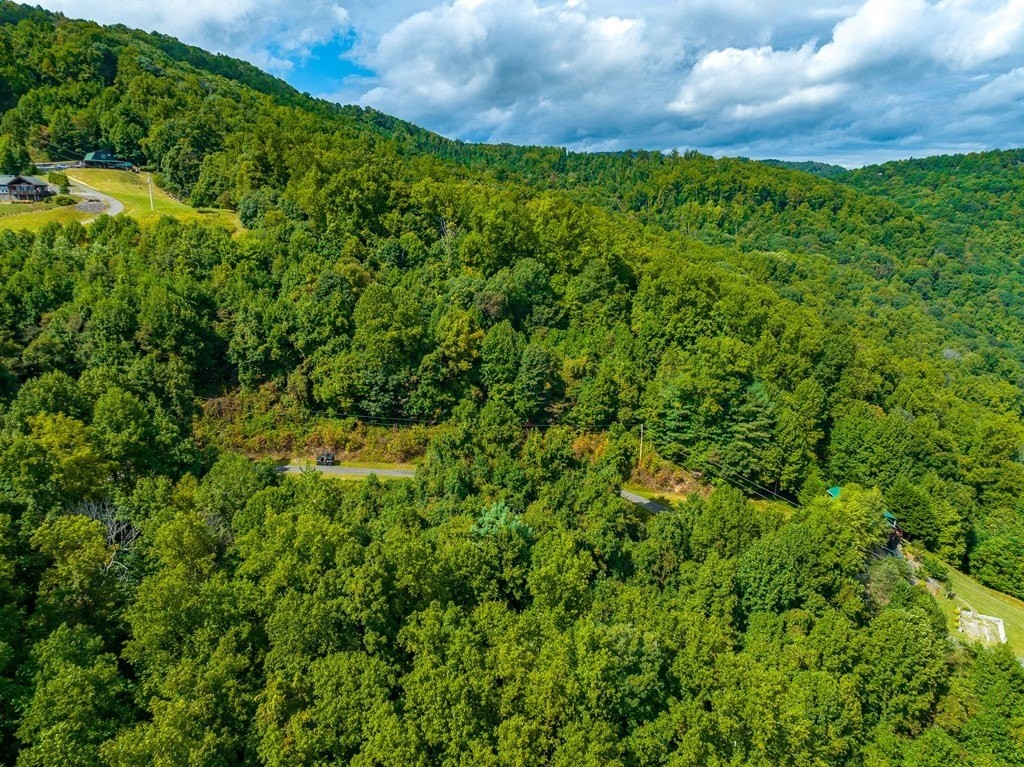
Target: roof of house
[(101, 155), (8, 180)]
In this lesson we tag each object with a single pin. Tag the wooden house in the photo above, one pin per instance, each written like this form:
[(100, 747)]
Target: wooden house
[(23, 189)]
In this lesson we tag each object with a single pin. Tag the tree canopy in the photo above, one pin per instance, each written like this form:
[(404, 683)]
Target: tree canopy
[(165, 600)]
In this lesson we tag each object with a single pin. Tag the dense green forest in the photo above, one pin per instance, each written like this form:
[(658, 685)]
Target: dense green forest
[(164, 601)]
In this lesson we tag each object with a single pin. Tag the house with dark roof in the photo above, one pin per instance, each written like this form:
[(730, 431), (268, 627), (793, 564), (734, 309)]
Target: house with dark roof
[(23, 189), (101, 158)]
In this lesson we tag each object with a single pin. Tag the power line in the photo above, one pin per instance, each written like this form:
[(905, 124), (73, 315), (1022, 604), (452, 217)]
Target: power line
[(65, 156), (748, 485), (438, 421), (773, 493)]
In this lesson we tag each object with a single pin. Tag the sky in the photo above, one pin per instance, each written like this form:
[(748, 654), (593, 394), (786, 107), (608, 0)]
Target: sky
[(844, 82)]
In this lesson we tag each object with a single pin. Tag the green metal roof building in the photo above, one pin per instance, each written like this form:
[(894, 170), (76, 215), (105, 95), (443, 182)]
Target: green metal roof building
[(101, 158)]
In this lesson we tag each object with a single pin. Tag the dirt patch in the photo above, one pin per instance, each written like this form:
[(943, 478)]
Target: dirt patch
[(661, 476), (91, 206)]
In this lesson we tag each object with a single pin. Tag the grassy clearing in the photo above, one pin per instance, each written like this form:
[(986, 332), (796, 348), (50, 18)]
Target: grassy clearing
[(132, 190), (666, 496), (35, 216), (260, 424), (358, 478), (353, 477), (21, 208), (968, 593)]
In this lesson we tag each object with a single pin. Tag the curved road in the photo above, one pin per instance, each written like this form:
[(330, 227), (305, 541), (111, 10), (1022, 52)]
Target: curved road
[(114, 206), (359, 471)]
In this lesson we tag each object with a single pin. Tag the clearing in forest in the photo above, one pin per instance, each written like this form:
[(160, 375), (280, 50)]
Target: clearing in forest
[(971, 595), (130, 189), (133, 191)]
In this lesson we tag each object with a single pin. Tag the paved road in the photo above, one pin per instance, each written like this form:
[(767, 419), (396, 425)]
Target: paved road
[(350, 471), (359, 471), (639, 500), (114, 206)]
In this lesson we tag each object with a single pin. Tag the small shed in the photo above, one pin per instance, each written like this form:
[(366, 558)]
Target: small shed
[(23, 189), (834, 491)]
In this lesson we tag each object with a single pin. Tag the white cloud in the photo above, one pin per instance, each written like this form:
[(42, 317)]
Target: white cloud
[(854, 80), (490, 66), (886, 77), (1000, 94), (269, 33), (722, 81)]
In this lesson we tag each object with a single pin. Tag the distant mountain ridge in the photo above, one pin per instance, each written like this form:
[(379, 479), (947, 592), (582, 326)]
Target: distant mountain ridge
[(822, 169)]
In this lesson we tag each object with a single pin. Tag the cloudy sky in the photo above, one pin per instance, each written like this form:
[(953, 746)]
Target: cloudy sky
[(847, 82)]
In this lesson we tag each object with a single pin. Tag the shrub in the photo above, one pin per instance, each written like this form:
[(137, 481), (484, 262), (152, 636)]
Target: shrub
[(59, 180)]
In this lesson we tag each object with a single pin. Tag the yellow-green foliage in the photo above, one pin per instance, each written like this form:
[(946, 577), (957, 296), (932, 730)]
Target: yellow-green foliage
[(257, 424)]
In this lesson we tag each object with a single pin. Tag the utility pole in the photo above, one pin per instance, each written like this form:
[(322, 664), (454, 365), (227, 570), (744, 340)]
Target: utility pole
[(640, 462), (149, 181)]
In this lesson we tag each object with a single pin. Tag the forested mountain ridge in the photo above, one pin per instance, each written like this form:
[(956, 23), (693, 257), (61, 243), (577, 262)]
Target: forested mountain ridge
[(753, 205), (163, 601), (823, 169), (897, 244), (956, 190), (225, 66)]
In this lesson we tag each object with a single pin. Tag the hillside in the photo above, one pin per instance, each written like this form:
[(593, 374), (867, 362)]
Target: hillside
[(132, 190), (960, 191), (166, 601), (823, 169), (951, 263), (131, 196)]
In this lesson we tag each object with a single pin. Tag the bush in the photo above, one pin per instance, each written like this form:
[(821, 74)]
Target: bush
[(409, 443), (345, 435), (933, 568), (65, 200), (59, 180)]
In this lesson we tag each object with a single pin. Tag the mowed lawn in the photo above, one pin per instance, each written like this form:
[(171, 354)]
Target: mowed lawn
[(35, 216), (971, 594), (23, 208), (132, 190)]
